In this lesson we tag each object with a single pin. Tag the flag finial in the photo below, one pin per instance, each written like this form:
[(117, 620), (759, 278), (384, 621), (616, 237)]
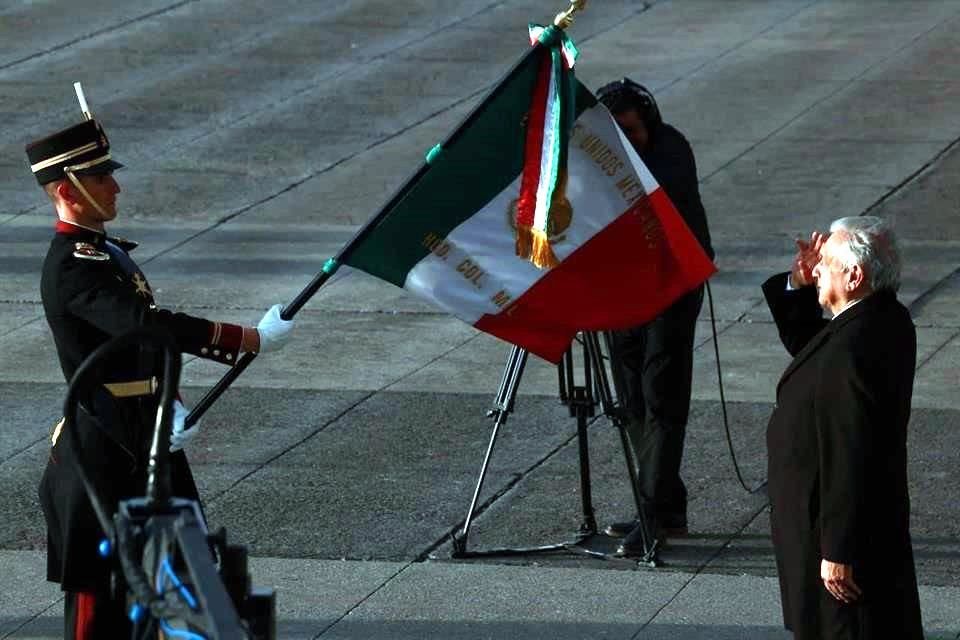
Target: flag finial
[(565, 18)]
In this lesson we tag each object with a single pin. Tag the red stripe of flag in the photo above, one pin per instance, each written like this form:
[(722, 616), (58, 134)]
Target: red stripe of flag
[(533, 146), (617, 264)]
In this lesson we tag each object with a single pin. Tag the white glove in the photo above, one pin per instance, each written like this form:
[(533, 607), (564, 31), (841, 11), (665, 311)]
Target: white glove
[(273, 329), (180, 435)]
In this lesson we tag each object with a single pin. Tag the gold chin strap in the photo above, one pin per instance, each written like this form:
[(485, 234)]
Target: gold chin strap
[(76, 182)]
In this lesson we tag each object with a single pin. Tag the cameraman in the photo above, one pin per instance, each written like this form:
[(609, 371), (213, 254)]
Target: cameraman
[(657, 358)]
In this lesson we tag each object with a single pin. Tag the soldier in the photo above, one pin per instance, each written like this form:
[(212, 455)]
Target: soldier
[(92, 291)]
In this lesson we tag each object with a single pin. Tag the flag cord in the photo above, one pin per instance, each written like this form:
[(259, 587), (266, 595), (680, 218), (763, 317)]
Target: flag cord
[(723, 401)]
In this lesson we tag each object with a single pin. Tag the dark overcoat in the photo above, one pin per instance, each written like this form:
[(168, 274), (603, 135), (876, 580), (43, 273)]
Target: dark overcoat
[(92, 291), (837, 451)]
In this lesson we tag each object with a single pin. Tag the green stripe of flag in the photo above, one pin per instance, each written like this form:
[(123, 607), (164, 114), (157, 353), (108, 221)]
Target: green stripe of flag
[(481, 162)]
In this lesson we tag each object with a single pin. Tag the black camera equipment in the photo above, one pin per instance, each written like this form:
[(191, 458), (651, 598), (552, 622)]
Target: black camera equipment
[(582, 399), (167, 573)]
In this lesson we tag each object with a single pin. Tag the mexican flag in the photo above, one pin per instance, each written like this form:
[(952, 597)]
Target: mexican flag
[(535, 219)]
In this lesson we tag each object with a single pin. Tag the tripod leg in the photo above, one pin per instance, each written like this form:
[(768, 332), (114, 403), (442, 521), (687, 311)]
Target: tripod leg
[(460, 542), (583, 404), (506, 396), (507, 392), (632, 471), (616, 412)]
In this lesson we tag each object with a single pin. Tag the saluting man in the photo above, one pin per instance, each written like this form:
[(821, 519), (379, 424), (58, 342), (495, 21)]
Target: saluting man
[(837, 439), (92, 291)]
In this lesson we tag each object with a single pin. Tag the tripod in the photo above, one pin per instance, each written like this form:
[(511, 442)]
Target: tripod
[(582, 400)]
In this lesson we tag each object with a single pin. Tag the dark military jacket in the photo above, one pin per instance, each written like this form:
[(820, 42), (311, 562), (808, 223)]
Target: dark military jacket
[(92, 291)]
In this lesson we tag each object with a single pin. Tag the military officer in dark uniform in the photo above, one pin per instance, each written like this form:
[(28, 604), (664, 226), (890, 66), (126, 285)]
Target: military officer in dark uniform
[(92, 290)]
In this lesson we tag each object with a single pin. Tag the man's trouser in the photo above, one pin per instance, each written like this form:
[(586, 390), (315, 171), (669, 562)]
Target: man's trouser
[(657, 362), (88, 615)]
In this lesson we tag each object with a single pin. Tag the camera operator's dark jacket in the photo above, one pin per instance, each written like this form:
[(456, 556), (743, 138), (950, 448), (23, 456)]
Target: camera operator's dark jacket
[(93, 291), (670, 160)]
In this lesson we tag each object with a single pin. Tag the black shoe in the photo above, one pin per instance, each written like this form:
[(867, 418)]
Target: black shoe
[(620, 529), (632, 544)]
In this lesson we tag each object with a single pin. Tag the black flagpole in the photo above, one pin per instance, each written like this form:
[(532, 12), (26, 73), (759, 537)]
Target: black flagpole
[(330, 267)]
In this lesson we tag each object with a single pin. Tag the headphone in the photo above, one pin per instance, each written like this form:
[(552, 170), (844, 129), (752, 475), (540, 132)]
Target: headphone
[(626, 94)]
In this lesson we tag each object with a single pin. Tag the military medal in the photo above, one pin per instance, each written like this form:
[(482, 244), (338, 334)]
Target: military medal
[(86, 251)]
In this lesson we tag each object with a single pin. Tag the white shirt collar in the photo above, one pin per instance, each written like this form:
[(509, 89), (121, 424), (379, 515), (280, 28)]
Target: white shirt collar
[(847, 306)]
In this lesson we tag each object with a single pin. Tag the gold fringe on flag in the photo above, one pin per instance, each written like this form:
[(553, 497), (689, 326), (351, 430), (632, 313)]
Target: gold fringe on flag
[(541, 253), (534, 245), (524, 240)]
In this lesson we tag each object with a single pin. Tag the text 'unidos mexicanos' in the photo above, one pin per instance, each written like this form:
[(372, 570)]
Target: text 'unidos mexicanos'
[(468, 269), (610, 162), (598, 151), (628, 185)]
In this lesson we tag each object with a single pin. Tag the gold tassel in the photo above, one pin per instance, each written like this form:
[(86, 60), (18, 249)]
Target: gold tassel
[(534, 245), (524, 241), (542, 253)]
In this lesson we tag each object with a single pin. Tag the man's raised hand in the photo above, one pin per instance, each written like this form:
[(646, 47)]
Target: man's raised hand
[(808, 254)]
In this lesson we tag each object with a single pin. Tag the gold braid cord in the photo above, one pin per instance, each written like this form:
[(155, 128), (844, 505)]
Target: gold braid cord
[(565, 18)]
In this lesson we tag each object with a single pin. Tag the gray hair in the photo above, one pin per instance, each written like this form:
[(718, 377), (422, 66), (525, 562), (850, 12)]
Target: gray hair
[(870, 243)]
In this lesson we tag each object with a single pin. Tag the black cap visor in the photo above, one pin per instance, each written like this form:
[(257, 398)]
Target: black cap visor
[(107, 166)]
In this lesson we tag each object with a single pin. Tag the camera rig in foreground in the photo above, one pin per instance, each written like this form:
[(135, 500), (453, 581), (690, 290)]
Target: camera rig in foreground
[(170, 573)]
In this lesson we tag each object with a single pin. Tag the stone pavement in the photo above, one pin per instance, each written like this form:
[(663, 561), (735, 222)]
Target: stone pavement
[(259, 136), (409, 600)]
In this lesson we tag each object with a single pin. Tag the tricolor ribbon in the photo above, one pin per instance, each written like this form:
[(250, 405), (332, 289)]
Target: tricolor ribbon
[(549, 121)]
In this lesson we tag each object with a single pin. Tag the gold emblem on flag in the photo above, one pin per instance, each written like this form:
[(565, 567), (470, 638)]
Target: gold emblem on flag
[(561, 217), (536, 245)]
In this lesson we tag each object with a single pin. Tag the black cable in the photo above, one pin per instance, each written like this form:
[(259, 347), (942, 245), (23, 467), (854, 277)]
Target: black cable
[(80, 382), (117, 533), (120, 531), (723, 401)]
